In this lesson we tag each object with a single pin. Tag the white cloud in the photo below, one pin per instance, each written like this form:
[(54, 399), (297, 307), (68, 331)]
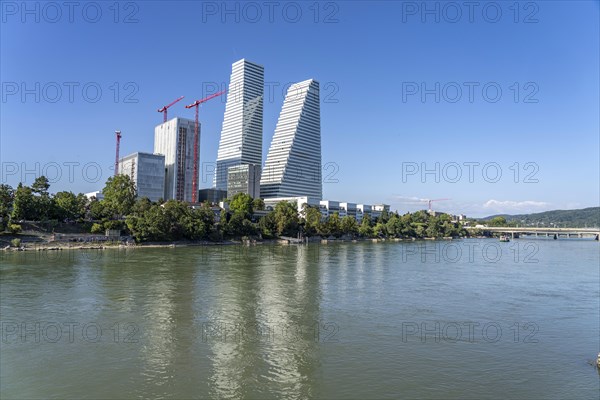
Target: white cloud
[(511, 206)]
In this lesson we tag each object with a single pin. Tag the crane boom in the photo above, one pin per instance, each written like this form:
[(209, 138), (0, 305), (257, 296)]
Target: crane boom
[(165, 108)]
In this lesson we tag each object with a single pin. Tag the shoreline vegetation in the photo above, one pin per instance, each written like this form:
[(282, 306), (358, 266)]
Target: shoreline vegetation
[(31, 217)]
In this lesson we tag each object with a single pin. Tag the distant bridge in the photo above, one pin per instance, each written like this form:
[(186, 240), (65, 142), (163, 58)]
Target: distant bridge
[(554, 232)]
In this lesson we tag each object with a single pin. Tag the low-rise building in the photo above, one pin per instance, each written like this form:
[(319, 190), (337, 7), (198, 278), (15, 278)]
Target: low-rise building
[(147, 172), (362, 210), (211, 195), (348, 209), (300, 201), (329, 207), (97, 194)]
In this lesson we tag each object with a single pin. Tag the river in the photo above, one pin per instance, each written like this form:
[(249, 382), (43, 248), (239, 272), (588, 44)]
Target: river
[(447, 319)]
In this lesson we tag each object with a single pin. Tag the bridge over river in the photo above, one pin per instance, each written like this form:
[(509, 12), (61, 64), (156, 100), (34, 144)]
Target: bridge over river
[(554, 232)]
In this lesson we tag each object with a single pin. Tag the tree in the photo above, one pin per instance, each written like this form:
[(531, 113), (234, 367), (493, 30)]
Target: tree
[(365, 229), (7, 195), (140, 206), (42, 202), (239, 225), (384, 217), (497, 221), (67, 206), (334, 225), (40, 186), (241, 202), (268, 226), (394, 227), (23, 204), (286, 218), (119, 195), (349, 225), (258, 204), (97, 209), (379, 230), (312, 219)]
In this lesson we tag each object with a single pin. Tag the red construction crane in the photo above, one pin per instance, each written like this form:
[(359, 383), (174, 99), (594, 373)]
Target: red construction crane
[(430, 201), (118, 134), (164, 109), (196, 140)]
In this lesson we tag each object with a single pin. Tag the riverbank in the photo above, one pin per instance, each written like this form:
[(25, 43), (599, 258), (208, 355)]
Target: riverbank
[(60, 246)]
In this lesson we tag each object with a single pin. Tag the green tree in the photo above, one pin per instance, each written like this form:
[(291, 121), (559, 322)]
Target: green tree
[(384, 217), (349, 225), (119, 195), (258, 204), (497, 221), (334, 225), (67, 205), (268, 226), (365, 229), (379, 230), (40, 186), (98, 209), (286, 218), (394, 227), (241, 202), (43, 204), (7, 195), (312, 218), (23, 204)]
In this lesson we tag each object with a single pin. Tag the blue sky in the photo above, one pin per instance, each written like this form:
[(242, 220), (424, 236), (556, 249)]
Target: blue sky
[(374, 61)]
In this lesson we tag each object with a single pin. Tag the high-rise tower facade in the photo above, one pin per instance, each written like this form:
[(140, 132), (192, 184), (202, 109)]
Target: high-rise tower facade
[(293, 166), (241, 135), (175, 140)]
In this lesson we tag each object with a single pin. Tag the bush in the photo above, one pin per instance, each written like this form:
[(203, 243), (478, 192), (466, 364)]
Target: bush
[(97, 228), (15, 243), (14, 228)]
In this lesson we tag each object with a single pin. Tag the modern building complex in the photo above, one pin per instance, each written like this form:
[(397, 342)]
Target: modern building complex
[(147, 172), (241, 135), (175, 140), (243, 178), (292, 171), (293, 166)]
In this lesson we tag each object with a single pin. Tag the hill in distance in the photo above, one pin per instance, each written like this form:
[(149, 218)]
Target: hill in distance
[(581, 218)]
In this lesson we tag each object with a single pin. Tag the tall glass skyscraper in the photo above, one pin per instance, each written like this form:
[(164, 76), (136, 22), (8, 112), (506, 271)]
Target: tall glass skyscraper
[(241, 136), (293, 166)]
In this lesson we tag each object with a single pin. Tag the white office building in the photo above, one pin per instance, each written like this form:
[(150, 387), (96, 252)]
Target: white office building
[(299, 200), (147, 172), (293, 166), (175, 140), (362, 210), (329, 207), (347, 209), (241, 135)]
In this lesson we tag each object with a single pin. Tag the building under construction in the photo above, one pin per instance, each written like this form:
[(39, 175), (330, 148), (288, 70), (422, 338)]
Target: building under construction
[(175, 140)]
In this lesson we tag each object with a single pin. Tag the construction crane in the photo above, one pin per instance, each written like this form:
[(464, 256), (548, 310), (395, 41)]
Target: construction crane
[(118, 135), (196, 140), (165, 108), (431, 201)]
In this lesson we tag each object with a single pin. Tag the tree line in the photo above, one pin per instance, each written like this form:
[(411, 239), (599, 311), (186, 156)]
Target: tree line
[(174, 220)]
